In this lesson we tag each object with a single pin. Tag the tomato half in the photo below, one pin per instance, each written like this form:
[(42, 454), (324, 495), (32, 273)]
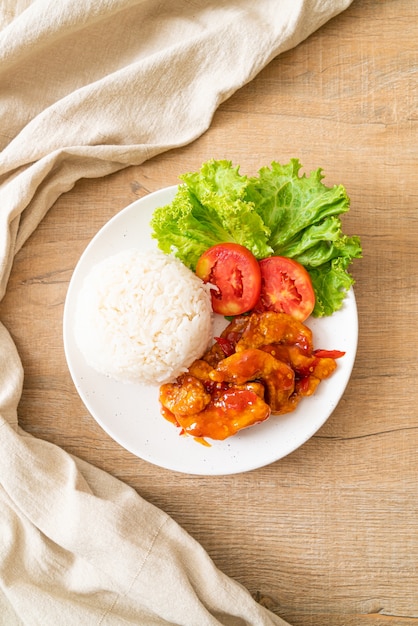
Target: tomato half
[(236, 275), (286, 287)]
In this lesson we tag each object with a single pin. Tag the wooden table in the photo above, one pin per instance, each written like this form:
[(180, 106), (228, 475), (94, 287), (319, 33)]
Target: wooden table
[(327, 536)]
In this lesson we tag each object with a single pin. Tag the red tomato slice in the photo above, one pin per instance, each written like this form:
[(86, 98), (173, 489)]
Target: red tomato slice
[(286, 287), (235, 273)]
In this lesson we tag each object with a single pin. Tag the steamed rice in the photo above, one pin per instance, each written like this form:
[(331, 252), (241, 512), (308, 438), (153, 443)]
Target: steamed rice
[(142, 317)]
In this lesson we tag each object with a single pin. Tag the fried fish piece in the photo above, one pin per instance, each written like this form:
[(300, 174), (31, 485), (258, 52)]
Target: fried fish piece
[(270, 327), (257, 365)]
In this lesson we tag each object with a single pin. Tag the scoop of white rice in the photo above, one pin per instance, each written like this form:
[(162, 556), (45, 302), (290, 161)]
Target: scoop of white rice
[(142, 317)]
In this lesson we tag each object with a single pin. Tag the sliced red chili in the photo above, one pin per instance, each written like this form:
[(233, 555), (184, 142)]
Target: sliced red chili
[(328, 354), (226, 345)]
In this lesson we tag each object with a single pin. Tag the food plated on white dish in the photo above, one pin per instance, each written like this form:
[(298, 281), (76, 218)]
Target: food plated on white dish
[(130, 412)]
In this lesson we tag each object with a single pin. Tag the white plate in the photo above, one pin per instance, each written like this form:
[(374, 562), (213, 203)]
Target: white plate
[(130, 413)]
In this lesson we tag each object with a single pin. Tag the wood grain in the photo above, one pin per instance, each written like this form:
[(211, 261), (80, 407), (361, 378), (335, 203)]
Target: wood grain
[(328, 535)]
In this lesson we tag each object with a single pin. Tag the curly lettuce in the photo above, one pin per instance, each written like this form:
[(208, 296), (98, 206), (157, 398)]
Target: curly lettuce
[(209, 208), (303, 216), (277, 212)]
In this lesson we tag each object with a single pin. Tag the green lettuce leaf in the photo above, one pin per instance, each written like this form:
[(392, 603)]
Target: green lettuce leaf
[(330, 281), (289, 203), (209, 209), (218, 177)]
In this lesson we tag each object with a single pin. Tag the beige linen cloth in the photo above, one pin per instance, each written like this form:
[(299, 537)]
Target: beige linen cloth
[(88, 87)]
